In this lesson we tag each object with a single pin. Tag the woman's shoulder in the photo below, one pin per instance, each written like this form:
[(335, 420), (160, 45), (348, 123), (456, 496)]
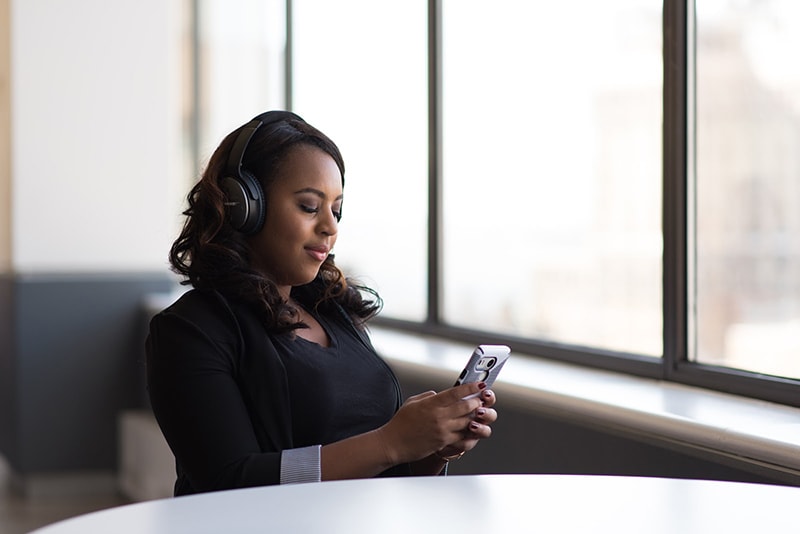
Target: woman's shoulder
[(207, 322), (206, 310), (197, 303)]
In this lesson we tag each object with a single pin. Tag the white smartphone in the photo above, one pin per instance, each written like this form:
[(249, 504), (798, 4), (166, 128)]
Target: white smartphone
[(484, 365)]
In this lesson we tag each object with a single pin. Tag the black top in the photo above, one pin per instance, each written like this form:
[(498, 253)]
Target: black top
[(229, 397), (338, 391)]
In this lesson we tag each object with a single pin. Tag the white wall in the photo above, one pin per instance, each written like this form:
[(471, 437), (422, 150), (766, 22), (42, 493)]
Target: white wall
[(96, 179)]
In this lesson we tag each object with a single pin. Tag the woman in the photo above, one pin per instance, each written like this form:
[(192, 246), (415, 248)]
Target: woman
[(263, 372)]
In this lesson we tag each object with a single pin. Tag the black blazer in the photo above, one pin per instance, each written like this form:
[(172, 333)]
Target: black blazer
[(211, 365)]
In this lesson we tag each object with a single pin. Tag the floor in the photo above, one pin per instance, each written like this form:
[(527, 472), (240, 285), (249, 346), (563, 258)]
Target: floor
[(20, 515)]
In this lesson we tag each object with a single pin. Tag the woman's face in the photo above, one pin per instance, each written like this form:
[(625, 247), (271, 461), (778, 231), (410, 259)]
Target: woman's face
[(301, 224)]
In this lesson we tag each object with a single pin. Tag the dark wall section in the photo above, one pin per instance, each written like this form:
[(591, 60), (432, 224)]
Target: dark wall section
[(7, 369), (71, 360)]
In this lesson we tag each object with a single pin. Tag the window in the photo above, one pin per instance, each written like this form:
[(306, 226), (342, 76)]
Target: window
[(747, 202), (360, 73), (552, 170), (239, 67), (609, 183)]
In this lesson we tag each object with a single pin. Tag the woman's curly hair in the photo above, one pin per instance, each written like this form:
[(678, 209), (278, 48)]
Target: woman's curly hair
[(211, 254)]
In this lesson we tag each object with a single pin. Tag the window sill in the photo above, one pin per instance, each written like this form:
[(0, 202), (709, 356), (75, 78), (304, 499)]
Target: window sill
[(762, 435)]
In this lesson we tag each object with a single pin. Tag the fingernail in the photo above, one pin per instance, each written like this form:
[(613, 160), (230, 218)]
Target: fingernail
[(487, 393), (474, 426), (480, 412), (482, 385)]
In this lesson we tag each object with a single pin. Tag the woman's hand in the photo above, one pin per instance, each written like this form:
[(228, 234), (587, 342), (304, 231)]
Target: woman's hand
[(444, 422), (479, 428)]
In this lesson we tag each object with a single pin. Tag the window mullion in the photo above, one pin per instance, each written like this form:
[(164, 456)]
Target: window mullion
[(288, 59), (674, 199), (434, 160)]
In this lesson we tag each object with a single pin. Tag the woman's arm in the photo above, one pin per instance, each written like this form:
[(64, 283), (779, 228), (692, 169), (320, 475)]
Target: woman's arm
[(198, 405)]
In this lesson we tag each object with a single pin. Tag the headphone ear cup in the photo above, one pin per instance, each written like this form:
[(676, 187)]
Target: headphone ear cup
[(245, 204)]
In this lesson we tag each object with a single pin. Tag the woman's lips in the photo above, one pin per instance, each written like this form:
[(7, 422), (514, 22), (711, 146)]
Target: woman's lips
[(318, 253)]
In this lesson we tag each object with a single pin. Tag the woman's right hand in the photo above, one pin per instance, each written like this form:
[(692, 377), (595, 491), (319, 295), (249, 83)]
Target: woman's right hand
[(429, 422)]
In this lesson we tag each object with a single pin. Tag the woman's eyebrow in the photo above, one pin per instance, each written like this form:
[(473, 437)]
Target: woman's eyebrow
[(316, 192)]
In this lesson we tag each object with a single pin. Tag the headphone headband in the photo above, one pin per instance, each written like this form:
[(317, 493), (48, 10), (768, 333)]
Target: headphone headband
[(234, 165)]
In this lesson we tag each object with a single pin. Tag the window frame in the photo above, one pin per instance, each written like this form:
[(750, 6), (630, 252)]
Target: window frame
[(677, 226), (677, 283)]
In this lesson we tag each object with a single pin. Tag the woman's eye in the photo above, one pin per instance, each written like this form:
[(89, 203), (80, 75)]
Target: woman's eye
[(308, 209), (314, 209)]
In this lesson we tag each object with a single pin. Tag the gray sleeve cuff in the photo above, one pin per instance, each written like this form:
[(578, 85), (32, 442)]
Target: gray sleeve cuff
[(301, 465)]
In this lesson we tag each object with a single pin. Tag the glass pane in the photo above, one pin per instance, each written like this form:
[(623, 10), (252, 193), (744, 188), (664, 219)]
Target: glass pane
[(552, 170), (241, 67), (748, 185), (360, 76)]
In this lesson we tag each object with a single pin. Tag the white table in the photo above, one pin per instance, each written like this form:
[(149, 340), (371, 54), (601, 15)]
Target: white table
[(485, 503)]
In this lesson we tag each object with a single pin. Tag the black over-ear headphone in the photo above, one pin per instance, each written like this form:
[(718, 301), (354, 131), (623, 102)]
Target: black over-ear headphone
[(244, 196)]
